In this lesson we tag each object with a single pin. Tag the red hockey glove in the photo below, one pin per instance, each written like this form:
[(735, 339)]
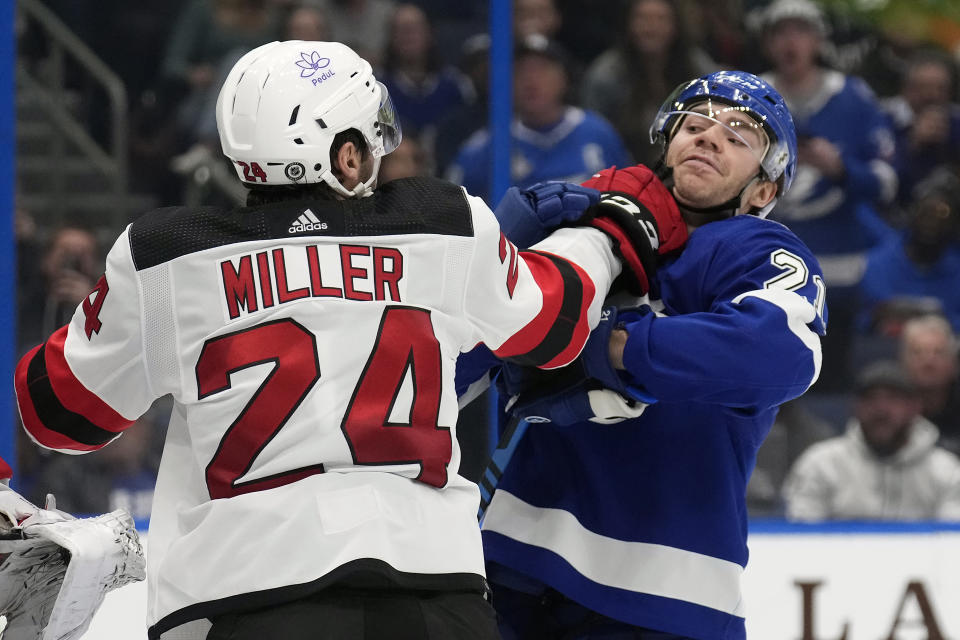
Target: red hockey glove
[(639, 213)]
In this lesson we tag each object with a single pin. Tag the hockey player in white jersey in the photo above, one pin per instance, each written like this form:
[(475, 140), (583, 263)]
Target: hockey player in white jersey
[(309, 486), (622, 513)]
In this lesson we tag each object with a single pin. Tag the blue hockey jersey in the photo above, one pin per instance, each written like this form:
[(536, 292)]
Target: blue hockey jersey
[(838, 219), (645, 521), (572, 150)]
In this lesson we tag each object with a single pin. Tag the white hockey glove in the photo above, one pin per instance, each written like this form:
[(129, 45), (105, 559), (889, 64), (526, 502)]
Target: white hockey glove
[(55, 569)]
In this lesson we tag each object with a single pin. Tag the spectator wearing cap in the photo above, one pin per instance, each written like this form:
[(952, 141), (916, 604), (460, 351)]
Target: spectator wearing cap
[(629, 81), (921, 262), (843, 176), (550, 139), (887, 466)]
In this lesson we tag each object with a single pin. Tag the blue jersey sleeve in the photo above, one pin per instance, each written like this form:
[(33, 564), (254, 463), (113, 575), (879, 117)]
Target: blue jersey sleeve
[(752, 337)]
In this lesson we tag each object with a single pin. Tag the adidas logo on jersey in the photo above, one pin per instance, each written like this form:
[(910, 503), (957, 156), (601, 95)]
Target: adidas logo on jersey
[(307, 221)]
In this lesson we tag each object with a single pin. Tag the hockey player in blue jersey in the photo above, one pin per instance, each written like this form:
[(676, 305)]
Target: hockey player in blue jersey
[(623, 515)]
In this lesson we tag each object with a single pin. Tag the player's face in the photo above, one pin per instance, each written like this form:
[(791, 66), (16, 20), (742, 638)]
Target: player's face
[(714, 153)]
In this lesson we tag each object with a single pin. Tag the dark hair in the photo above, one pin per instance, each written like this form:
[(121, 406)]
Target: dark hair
[(263, 194)]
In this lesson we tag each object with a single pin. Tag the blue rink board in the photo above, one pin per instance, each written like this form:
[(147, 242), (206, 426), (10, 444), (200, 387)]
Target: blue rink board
[(776, 526)]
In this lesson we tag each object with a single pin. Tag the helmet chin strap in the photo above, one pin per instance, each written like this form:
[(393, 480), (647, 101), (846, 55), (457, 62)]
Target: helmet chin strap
[(362, 190), (697, 216)]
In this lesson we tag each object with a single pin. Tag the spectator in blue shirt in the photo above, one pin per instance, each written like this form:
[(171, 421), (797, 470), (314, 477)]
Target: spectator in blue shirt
[(551, 139), (924, 259)]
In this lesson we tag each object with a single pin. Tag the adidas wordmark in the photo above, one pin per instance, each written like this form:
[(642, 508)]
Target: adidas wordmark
[(307, 221)]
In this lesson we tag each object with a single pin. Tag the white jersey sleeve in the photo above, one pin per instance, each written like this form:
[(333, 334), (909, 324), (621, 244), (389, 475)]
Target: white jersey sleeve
[(541, 305)]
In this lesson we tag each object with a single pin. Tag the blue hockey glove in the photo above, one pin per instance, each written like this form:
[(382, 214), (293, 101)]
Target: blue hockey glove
[(581, 403), (595, 362), (527, 216), (587, 389)]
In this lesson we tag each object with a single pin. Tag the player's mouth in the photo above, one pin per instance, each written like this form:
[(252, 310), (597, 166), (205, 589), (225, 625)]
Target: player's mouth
[(702, 161)]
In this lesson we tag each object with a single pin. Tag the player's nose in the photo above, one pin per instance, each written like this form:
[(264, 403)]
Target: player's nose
[(710, 138)]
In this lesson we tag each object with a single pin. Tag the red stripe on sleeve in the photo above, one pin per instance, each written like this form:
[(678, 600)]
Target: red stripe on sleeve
[(72, 394), (551, 284), (28, 413), (581, 331)]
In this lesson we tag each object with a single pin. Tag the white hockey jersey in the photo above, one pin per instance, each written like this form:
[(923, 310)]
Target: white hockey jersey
[(310, 348)]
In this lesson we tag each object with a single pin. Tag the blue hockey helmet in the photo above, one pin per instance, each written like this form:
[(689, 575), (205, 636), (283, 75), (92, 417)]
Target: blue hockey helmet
[(747, 93)]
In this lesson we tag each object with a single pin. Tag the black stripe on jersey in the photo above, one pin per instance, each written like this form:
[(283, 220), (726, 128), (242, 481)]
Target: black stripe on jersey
[(400, 207), (562, 328), (365, 574), (53, 414)]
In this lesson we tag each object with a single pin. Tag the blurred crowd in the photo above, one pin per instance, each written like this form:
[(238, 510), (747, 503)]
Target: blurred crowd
[(876, 197)]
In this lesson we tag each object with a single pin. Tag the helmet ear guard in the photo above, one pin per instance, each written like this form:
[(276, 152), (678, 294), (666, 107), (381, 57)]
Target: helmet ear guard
[(746, 93), (283, 104)]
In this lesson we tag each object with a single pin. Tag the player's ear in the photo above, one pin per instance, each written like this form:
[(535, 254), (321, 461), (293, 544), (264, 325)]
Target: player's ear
[(348, 164), (760, 194)]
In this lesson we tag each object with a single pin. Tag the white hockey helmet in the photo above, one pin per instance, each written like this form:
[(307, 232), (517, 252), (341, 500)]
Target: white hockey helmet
[(284, 102)]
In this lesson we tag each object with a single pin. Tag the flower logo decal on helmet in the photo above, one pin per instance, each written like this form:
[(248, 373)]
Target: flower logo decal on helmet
[(310, 63), (262, 107)]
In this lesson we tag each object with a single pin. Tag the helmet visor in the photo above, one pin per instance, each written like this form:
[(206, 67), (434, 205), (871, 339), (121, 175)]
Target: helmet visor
[(387, 126), (737, 123)]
